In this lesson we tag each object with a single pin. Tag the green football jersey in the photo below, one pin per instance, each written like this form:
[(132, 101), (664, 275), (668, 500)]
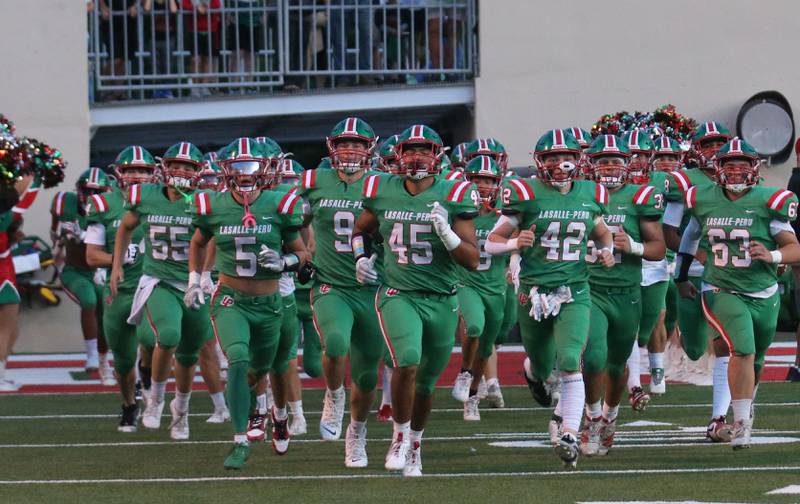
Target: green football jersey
[(65, 208), (168, 233), (680, 184), (335, 207), (661, 182), (490, 277), (563, 225), (626, 207), (730, 226), (414, 258), (107, 210), (279, 217)]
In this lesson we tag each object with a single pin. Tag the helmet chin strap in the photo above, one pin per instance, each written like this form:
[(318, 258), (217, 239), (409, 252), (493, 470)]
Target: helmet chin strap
[(187, 198), (249, 220)]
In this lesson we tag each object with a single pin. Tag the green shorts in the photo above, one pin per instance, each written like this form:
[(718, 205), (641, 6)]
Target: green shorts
[(290, 335), (312, 348), (483, 316), (509, 315), (248, 328), (746, 324), (671, 303), (614, 316), (561, 337), (176, 326), (346, 322), (80, 287), (654, 301), (9, 293), (694, 329), (419, 329)]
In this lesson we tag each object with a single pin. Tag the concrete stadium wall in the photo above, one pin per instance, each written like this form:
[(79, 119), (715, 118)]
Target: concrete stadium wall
[(44, 86), (560, 64)]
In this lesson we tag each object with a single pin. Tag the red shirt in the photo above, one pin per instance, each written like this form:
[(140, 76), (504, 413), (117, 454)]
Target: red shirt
[(202, 20)]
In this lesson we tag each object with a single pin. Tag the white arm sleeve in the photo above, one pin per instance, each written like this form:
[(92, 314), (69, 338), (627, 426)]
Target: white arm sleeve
[(691, 238), (673, 214), (776, 226), (95, 235), (497, 248)]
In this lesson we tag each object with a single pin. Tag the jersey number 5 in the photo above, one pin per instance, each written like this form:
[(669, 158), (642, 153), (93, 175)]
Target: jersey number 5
[(421, 251), (171, 247)]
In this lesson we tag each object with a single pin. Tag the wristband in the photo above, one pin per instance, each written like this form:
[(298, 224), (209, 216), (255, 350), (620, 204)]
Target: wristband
[(636, 247), (194, 278), (497, 248), (777, 256), (290, 262), (451, 240), (359, 248)]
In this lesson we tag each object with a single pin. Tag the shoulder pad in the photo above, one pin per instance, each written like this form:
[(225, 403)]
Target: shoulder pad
[(458, 190), (99, 203), (309, 179), (371, 186), (134, 195), (682, 180), (202, 203), (59, 201), (601, 194), (690, 199), (778, 199), (643, 195), (454, 175), (523, 189), (288, 202)]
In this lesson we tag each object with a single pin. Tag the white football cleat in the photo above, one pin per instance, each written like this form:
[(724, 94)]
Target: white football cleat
[(567, 450), (179, 428), (355, 448), (330, 425), (471, 411), (298, 426), (461, 386), (554, 429), (494, 396), (106, 374), (151, 418), (741, 434), (221, 415), (658, 385), (607, 436), (413, 466), (8, 386), (590, 435), (483, 388), (396, 456), (92, 363)]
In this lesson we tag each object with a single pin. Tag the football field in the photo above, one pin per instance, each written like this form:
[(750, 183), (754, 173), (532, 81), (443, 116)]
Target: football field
[(66, 448)]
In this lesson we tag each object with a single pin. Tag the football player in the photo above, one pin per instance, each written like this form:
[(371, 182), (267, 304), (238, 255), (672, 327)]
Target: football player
[(426, 224), (557, 216), (748, 234)]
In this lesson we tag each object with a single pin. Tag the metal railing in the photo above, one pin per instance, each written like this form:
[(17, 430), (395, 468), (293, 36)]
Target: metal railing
[(169, 48)]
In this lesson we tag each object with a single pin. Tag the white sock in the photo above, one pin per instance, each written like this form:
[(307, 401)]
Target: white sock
[(157, 391), (91, 348), (573, 396), (240, 439), (338, 392), (526, 365), (594, 410), (753, 402), (610, 412), (182, 400), (104, 360), (280, 413), (721, 398), (656, 360), (218, 398), (386, 385), (2, 370), (296, 408), (557, 410), (261, 403), (359, 427), (741, 409), (634, 378), (402, 428), (492, 381), (416, 436)]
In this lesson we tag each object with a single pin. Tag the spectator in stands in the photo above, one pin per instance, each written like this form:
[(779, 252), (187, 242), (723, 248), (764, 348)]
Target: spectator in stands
[(245, 35), (201, 27), (120, 35), (356, 24), (161, 27), (316, 50), (308, 36), (442, 22), (794, 186)]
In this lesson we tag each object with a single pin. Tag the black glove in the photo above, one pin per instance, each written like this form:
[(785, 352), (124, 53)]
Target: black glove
[(306, 272)]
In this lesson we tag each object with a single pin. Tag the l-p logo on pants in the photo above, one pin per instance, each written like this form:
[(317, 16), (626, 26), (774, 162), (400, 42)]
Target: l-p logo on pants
[(226, 301)]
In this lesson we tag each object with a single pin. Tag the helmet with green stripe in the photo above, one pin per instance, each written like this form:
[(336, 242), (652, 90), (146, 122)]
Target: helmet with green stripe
[(350, 145), (706, 141), (181, 164), (609, 158), (457, 156), (641, 147), (556, 155), (211, 174), (487, 147), (667, 154), (290, 171), (487, 174), (134, 165), (249, 166), (92, 181), (420, 150), (387, 156), (737, 164)]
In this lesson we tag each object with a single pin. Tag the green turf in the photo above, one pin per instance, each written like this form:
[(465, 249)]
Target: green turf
[(452, 446)]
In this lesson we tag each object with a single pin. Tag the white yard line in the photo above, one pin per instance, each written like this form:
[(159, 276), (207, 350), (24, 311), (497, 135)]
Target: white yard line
[(208, 479)]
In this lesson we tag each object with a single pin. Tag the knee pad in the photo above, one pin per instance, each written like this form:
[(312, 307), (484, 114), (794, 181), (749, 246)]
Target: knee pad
[(236, 353), (615, 370), (366, 379), (186, 359), (123, 365), (312, 367), (335, 344), (567, 364)]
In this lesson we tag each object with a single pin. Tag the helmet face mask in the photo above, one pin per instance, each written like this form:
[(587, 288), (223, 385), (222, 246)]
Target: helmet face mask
[(639, 167), (486, 174), (666, 162), (180, 174), (419, 160), (611, 171), (128, 175), (350, 155), (558, 168), (707, 149), (246, 175), (90, 182), (737, 174)]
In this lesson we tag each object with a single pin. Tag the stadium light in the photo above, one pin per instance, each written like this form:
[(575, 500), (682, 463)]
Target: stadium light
[(765, 121)]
